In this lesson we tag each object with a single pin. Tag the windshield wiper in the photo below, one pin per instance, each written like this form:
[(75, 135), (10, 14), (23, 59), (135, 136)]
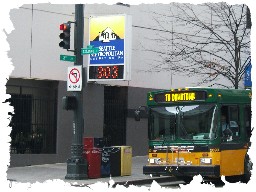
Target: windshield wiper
[(180, 123)]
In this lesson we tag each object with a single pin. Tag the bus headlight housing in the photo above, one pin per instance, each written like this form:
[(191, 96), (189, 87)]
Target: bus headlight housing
[(205, 161)]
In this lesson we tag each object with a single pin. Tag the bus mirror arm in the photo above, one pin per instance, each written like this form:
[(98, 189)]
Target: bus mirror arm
[(137, 115), (138, 111)]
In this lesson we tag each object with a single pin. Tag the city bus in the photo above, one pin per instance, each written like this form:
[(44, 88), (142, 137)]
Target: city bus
[(187, 137)]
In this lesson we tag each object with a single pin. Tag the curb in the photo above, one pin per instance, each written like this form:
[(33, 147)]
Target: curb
[(146, 181), (136, 182)]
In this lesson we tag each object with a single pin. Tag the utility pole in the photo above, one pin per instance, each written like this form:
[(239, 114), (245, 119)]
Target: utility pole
[(77, 165)]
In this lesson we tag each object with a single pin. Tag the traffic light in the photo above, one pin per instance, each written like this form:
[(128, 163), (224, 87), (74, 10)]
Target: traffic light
[(65, 36), (69, 103)]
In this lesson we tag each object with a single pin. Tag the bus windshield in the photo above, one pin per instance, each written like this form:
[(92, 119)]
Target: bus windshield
[(190, 122)]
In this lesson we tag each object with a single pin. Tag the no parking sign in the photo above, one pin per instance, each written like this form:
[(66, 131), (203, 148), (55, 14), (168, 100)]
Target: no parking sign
[(74, 79)]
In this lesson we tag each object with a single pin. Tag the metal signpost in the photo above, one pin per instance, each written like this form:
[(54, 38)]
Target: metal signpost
[(77, 165)]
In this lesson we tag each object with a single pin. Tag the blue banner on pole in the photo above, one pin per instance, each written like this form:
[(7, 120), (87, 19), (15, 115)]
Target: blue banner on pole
[(247, 75)]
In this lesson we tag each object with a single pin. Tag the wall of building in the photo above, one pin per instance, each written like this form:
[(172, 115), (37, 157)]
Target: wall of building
[(137, 131), (93, 106), (37, 31), (64, 126)]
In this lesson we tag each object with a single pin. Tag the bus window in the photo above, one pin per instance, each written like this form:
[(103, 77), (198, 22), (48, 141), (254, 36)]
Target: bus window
[(163, 126), (247, 120), (234, 120), (193, 122), (231, 114)]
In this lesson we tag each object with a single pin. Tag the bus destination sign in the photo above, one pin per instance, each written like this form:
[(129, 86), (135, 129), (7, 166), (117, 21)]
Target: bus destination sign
[(180, 96)]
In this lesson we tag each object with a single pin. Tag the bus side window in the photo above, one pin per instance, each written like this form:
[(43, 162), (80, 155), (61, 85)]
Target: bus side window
[(231, 112), (247, 120), (234, 120)]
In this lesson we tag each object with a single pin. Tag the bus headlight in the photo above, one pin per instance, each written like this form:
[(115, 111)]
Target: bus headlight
[(154, 160), (205, 161)]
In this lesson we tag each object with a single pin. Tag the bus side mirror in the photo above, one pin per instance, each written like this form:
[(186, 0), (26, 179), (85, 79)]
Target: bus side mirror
[(137, 115)]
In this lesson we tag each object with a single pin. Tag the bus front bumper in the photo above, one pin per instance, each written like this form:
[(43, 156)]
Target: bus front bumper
[(182, 170)]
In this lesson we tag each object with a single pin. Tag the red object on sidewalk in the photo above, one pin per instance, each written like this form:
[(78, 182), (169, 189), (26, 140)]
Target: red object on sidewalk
[(93, 157), (88, 142), (91, 142)]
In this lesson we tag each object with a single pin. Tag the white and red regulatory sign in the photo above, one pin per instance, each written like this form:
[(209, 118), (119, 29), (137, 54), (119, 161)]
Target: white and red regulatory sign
[(74, 80)]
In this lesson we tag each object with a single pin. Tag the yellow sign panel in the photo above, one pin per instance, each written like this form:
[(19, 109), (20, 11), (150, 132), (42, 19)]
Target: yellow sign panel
[(114, 22)]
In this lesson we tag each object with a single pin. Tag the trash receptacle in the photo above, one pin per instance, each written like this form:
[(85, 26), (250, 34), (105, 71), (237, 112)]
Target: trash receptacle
[(88, 142), (126, 160), (93, 142), (116, 161), (110, 163), (93, 157), (98, 142)]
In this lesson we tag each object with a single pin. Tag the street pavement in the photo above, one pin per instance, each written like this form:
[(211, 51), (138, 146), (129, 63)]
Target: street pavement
[(42, 173)]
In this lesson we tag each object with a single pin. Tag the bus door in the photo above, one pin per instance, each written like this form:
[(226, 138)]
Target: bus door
[(232, 151)]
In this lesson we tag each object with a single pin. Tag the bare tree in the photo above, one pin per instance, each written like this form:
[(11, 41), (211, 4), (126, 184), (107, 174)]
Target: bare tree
[(207, 40)]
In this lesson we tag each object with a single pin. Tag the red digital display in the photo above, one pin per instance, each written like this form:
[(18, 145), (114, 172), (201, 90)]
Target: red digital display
[(106, 72)]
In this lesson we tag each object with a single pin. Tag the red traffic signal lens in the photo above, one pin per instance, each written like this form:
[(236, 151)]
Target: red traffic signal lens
[(64, 26)]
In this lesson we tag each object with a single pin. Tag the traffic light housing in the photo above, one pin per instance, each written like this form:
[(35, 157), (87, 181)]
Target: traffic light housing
[(69, 102), (65, 36)]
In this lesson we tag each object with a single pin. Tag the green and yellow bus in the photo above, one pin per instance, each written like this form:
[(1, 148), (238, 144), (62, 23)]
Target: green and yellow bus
[(188, 135)]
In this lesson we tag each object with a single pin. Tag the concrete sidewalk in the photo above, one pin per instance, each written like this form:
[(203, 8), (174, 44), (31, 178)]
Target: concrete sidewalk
[(41, 173)]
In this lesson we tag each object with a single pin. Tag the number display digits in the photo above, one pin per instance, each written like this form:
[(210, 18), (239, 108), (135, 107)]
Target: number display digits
[(106, 72)]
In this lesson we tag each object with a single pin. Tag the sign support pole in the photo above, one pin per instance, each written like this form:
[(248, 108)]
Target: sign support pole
[(77, 165)]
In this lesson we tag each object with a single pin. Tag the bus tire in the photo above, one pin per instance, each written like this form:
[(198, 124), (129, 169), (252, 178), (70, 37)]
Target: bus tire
[(186, 179), (245, 178), (233, 179)]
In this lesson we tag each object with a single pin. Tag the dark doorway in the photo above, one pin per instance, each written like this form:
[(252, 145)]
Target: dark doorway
[(21, 122), (115, 112), (34, 122)]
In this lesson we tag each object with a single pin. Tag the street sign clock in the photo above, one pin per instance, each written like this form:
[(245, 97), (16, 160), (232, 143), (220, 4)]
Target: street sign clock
[(110, 48)]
